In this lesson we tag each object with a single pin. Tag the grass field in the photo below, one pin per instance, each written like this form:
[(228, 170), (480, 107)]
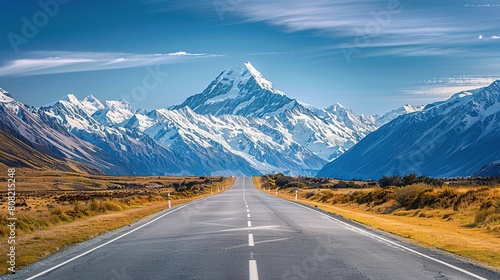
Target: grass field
[(55, 209), (463, 221)]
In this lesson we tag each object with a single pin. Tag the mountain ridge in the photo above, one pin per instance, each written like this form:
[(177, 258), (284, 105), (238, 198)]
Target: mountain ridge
[(239, 125), (456, 137)]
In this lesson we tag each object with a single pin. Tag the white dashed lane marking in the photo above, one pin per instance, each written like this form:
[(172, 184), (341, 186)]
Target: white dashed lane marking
[(252, 269)]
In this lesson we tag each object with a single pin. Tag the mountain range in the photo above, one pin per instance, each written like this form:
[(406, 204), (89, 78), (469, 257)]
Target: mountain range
[(239, 125), (456, 137)]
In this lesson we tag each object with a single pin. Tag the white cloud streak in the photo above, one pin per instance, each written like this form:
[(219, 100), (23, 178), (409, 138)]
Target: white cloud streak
[(52, 62), (375, 23), (446, 87), (481, 5)]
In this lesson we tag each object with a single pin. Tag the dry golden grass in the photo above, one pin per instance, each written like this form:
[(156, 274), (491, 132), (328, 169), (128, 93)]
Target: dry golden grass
[(67, 208), (453, 230)]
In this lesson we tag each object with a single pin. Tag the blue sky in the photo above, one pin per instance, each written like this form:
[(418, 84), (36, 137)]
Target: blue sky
[(369, 55)]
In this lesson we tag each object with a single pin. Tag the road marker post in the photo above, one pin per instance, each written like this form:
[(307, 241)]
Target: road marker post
[(296, 194), (169, 202)]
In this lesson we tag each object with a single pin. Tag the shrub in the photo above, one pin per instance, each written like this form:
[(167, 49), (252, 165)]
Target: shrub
[(297, 185), (310, 194), (282, 181), (340, 185), (58, 215), (386, 181), (408, 197), (483, 215), (111, 206), (325, 195), (94, 205)]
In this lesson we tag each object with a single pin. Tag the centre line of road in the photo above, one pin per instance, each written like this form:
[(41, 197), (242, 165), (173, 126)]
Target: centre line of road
[(248, 215), (252, 269), (250, 240), (249, 224), (114, 239)]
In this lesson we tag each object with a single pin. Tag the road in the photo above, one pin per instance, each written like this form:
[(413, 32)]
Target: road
[(244, 233)]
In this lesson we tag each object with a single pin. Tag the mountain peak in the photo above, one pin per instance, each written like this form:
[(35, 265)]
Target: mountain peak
[(410, 109), (71, 98), (335, 107), (91, 104), (406, 109), (5, 96), (240, 90), (495, 86), (259, 78), (90, 98), (245, 74), (4, 92)]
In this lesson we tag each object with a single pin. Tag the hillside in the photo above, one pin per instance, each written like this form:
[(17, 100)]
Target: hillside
[(454, 138)]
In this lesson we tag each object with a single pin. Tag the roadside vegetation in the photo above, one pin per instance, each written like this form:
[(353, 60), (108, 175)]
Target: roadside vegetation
[(55, 209), (460, 215)]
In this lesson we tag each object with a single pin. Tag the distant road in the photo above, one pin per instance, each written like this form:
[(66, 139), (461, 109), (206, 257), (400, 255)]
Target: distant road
[(246, 234)]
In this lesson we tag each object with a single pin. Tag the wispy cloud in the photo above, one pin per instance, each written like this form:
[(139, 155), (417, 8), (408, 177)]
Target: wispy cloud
[(481, 37), (445, 87), (481, 5), (51, 62), (371, 24)]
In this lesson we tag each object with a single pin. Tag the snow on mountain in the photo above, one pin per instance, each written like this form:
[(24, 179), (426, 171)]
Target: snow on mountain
[(128, 145), (239, 125), (253, 140), (453, 138), (114, 112), (134, 151), (389, 116), (5, 97), (48, 137), (240, 91), (91, 104), (245, 92)]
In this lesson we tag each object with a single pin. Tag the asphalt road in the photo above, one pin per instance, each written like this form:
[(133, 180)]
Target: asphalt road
[(246, 234)]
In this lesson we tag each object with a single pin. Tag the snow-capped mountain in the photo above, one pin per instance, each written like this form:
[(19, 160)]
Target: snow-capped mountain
[(137, 151), (457, 137), (47, 137), (240, 91), (254, 140), (243, 91), (114, 112), (239, 125), (389, 116)]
